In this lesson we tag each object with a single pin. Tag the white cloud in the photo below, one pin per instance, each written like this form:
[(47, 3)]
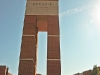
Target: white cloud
[(73, 11)]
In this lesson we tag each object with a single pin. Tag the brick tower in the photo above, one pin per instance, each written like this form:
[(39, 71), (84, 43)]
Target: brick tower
[(40, 15)]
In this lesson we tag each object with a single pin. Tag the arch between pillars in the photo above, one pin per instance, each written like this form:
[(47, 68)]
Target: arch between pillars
[(42, 23)]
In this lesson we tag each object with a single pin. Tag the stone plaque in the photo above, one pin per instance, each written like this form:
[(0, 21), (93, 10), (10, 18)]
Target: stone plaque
[(42, 8)]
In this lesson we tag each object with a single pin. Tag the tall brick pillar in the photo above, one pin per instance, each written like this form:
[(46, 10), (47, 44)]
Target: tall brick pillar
[(40, 15), (53, 49), (27, 65)]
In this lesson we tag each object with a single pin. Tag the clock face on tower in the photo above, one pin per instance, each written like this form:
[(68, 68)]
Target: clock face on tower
[(42, 8)]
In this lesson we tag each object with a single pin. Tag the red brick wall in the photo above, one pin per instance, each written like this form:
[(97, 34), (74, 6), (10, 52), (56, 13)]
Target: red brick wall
[(87, 72), (84, 73), (28, 47), (26, 67), (53, 49), (53, 25), (29, 25), (2, 70)]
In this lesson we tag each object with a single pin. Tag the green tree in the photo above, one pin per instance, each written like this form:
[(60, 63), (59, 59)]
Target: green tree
[(95, 70)]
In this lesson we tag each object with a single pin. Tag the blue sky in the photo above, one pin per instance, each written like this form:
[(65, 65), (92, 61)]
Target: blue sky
[(79, 35)]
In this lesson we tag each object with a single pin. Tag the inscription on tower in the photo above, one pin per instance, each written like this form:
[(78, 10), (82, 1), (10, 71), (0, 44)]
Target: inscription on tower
[(42, 8), (42, 3)]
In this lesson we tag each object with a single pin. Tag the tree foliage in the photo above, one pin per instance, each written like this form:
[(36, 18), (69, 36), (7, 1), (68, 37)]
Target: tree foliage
[(95, 71)]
